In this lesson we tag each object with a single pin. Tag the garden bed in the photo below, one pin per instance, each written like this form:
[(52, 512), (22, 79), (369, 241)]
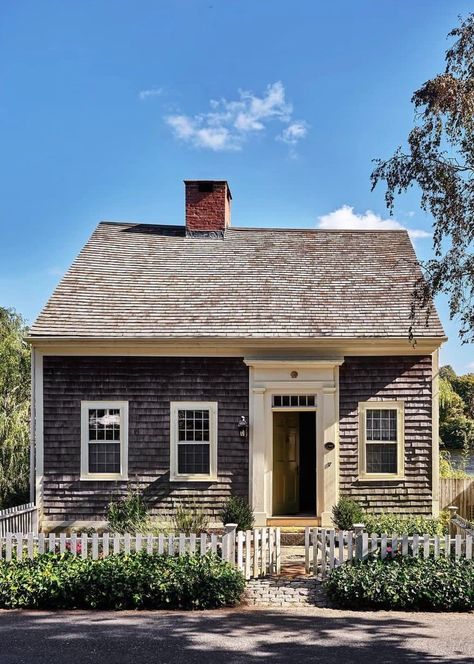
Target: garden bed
[(133, 581), (403, 583)]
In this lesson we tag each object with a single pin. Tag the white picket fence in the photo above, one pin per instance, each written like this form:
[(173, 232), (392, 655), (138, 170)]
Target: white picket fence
[(328, 548), (19, 519), (255, 552)]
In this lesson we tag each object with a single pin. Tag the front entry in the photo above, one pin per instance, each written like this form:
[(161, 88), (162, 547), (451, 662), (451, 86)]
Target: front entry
[(294, 462)]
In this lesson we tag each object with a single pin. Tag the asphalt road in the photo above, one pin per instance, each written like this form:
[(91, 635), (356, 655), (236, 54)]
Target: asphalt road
[(231, 636)]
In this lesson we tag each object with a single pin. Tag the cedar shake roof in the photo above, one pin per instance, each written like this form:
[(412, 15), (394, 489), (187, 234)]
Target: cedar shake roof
[(141, 280)]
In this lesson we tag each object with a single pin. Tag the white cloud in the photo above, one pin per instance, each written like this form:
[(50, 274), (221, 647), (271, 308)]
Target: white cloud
[(230, 123), (345, 218), (294, 132), (152, 92), (470, 366)]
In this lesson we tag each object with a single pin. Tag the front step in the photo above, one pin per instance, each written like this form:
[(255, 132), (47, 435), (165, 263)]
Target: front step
[(293, 521)]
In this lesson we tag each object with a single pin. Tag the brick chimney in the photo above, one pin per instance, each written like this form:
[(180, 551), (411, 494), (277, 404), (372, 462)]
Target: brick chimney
[(207, 207)]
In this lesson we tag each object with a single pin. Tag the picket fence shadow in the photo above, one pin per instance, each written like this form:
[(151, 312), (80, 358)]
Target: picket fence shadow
[(326, 549), (255, 552)]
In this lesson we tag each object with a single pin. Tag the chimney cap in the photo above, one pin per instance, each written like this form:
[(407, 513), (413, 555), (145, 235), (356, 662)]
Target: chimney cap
[(203, 181)]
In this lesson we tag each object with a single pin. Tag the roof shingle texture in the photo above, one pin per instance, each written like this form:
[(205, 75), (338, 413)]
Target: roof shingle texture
[(138, 280)]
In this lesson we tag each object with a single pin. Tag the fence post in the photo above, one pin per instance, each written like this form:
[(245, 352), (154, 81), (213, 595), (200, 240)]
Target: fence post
[(358, 530), (452, 514), (229, 537)]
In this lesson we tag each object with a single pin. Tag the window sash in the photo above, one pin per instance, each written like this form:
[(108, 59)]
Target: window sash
[(381, 440), (104, 440), (193, 440)]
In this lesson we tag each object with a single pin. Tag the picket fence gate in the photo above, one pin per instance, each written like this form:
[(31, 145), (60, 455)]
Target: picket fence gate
[(255, 552), (326, 549), (19, 519)]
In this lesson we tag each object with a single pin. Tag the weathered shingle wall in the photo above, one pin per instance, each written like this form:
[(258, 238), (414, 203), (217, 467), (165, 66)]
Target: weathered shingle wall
[(148, 384), (394, 378)]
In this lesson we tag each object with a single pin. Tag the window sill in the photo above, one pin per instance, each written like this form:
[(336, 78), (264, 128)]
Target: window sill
[(110, 477), (193, 478), (380, 478)]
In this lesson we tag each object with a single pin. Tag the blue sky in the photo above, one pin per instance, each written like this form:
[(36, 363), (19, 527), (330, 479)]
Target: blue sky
[(106, 106)]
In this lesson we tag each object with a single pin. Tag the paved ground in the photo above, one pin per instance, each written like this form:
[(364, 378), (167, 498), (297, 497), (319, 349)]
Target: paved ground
[(234, 636)]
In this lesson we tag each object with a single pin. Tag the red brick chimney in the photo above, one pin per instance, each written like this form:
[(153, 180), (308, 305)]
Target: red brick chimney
[(207, 207)]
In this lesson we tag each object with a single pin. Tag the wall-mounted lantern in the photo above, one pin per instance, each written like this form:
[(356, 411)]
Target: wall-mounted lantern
[(243, 427)]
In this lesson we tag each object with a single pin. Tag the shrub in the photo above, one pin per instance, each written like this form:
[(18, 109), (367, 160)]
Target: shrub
[(189, 519), (237, 510), (404, 583), (135, 581), (128, 514), (447, 470), (405, 525), (346, 513)]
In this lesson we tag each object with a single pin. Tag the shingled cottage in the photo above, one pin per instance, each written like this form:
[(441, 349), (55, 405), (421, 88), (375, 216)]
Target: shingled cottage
[(205, 360)]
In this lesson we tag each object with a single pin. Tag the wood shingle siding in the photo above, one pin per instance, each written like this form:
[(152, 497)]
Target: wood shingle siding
[(148, 384), (390, 378)]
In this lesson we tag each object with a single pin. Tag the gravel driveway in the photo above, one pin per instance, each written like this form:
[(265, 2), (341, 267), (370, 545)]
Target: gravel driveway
[(231, 636)]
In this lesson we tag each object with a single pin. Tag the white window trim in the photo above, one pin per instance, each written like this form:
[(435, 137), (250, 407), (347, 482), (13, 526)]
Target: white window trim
[(399, 406), (108, 477), (211, 406)]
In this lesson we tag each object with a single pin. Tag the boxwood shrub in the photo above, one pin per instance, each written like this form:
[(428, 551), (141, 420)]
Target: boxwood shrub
[(134, 581), (406, 524), (404, 583)]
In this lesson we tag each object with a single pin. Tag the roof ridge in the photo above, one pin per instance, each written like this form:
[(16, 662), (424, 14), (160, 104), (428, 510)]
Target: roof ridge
[(263, 229)]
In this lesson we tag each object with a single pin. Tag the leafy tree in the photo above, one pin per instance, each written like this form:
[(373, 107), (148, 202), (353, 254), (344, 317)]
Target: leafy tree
[(450, 403), (457, 432), (14, 409), (439, 160), (464, 387)]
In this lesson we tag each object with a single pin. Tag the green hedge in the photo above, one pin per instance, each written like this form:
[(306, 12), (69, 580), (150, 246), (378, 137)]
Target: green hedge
[(405, 525), (135, 581), (404, 583)]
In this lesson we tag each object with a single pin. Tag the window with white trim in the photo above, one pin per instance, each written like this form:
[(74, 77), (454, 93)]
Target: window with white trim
[(104, 440), (381, 439), (193, 451)]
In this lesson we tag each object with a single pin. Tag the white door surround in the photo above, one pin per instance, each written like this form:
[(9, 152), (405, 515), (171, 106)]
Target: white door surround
[(269, 377)]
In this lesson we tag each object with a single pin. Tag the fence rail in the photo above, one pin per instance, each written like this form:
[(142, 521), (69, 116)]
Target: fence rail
[(20, 519), (327, 548), (255, 552)]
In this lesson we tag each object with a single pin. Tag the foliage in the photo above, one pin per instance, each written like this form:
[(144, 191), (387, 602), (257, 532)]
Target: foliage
[(440, 162), (456, 410), (346, 513), (237, 510), (464, 387), (189, 519), (457, 432), (450, 403), (14, 409), (136, 581), (447, 470), (128, 514), (405, 524), (404, 583)]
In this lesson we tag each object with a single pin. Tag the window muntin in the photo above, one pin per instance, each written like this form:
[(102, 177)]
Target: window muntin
[(193, 440), (294, 401), (381, 445), (104, 439)]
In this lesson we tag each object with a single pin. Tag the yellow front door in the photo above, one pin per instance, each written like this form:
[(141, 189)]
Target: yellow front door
[(285, 463)]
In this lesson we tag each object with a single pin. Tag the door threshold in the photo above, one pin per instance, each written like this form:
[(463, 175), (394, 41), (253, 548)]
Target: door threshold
[(299, 520)]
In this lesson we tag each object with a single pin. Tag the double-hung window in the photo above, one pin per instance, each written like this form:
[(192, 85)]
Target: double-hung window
[(104, 440), (193, 451), (381, 440)]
